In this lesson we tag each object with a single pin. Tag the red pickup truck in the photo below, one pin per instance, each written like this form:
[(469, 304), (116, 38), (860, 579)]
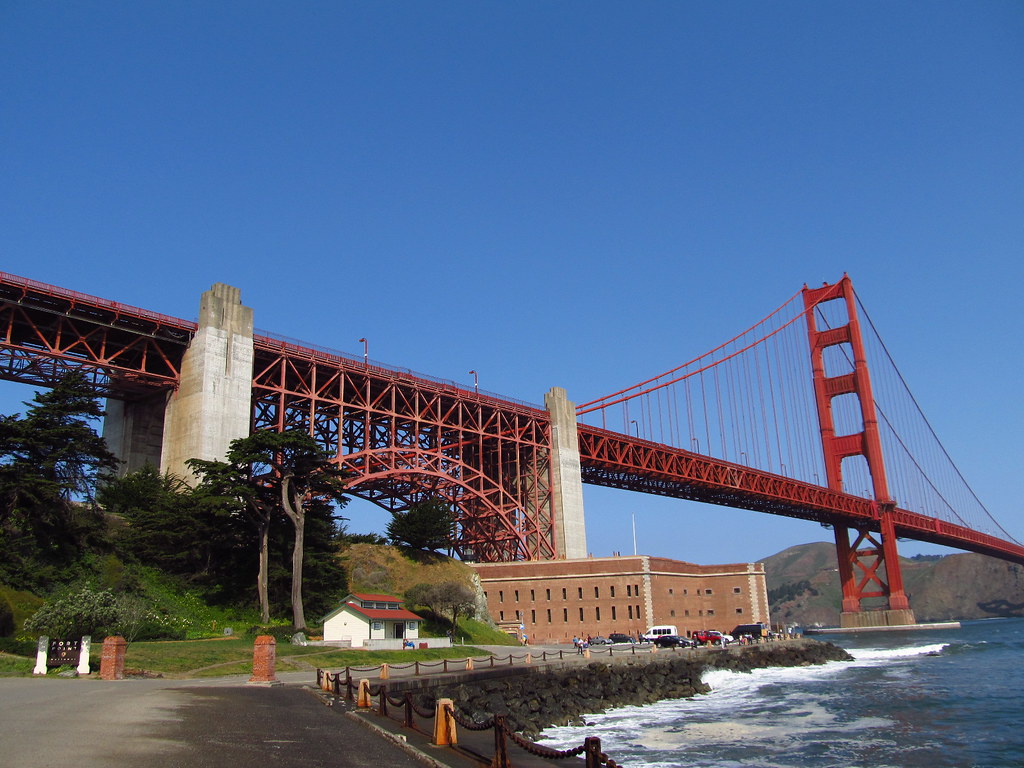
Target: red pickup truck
[(707, 637)]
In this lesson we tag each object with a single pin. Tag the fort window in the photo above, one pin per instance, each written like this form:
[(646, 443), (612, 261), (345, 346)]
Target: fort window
[(563, 593), (549, 615), (629, 591), (501, 596), (672, 612), (548, 591), (612, 589), (532, 598), (613, 613), (597, 592), (711, 611), (517, 595), (597, 614), (735, 590), (533, 617), (565, 615), (739, 610), (581, 592), (630, 607), (501, 615), (581, 614)]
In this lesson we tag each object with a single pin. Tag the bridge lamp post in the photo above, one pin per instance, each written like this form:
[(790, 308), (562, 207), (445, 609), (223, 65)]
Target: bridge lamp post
[(366, 352), (696, 442), (635, 426), (476, 382)]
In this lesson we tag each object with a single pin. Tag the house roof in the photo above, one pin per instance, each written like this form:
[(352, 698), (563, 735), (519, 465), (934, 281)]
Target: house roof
[(375, 598), (384, 613)]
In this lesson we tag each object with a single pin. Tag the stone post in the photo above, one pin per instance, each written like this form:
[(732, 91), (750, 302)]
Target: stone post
[(444, 724), (264, 661), (83, 655), (41, 650), (112, 661)]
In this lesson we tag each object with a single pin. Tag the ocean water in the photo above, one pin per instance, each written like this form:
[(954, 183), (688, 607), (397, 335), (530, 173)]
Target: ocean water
[(928, 699)]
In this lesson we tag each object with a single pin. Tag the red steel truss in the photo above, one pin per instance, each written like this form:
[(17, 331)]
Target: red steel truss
[(406, 439), (620, 461), (122, 350)]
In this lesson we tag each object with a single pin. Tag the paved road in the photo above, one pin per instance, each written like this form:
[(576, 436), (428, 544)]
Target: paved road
[(88, 723)]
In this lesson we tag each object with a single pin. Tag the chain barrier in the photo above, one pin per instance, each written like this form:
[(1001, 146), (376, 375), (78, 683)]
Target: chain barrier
[(591, 747)]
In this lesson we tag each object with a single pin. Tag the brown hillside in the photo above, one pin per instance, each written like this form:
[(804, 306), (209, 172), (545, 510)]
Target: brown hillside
[(803, 582)]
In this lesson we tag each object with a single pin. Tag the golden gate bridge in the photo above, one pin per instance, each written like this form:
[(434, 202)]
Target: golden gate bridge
[(804, 415)]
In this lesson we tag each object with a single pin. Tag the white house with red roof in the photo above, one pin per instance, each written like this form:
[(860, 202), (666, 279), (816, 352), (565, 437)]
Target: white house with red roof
[(376, 621)]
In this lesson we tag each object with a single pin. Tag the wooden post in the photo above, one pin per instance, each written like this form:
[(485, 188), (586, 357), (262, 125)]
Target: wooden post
[(363, 697), (384, 673), (445, 734)]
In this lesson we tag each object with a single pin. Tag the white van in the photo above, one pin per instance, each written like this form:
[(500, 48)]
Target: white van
[(664, 629)]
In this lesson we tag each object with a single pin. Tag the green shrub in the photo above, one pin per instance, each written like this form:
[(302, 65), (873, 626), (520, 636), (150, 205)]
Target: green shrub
[(18, 647), (75, 612), (6, 617)]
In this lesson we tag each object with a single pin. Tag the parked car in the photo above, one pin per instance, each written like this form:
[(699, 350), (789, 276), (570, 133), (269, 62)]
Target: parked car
[(708, 637), (671, 641), (600, 640), (618, 637)]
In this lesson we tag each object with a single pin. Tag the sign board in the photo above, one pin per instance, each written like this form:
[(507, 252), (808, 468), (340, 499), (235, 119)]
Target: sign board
[(63, 653)]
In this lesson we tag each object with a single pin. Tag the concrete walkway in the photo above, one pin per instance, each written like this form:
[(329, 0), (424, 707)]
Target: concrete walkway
[(223, 722)]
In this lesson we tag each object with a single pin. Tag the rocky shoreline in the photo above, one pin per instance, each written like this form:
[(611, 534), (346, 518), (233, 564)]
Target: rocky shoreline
[(535, 698)]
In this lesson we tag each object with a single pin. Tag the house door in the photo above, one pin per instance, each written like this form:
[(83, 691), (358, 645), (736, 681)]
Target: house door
[(399, 629)]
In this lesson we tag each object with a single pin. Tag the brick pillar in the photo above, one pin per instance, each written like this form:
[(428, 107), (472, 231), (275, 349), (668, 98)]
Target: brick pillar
[(264, 660), (112, 661)]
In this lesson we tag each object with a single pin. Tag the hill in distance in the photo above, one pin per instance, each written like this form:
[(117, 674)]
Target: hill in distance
[(803, 586)]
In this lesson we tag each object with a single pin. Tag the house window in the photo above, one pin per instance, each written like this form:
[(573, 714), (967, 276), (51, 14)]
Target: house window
[(378, 626), (707, 591), (671, 591), (410, 626)]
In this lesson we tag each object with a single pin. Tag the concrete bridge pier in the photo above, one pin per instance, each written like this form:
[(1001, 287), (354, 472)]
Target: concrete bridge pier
[(211, 406), (566, 476)]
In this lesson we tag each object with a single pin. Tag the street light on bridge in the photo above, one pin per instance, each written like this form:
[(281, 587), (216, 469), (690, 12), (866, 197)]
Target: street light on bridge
[(476, 382), (635, 426), (366, 352)]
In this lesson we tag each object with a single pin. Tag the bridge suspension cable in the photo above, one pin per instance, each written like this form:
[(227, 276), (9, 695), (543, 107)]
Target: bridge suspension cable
[(750, 401)]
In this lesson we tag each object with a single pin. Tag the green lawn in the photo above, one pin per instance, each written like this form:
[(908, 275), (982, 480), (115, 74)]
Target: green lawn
[(233, 656)]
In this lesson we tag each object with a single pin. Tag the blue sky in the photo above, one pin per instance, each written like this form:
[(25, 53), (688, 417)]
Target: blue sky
[(553, 194)]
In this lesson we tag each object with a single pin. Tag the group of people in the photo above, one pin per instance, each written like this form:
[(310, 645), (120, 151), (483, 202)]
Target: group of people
[(581, 643)]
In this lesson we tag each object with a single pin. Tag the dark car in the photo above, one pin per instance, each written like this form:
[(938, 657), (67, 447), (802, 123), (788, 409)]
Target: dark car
[(618, 637), (671, 641)]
